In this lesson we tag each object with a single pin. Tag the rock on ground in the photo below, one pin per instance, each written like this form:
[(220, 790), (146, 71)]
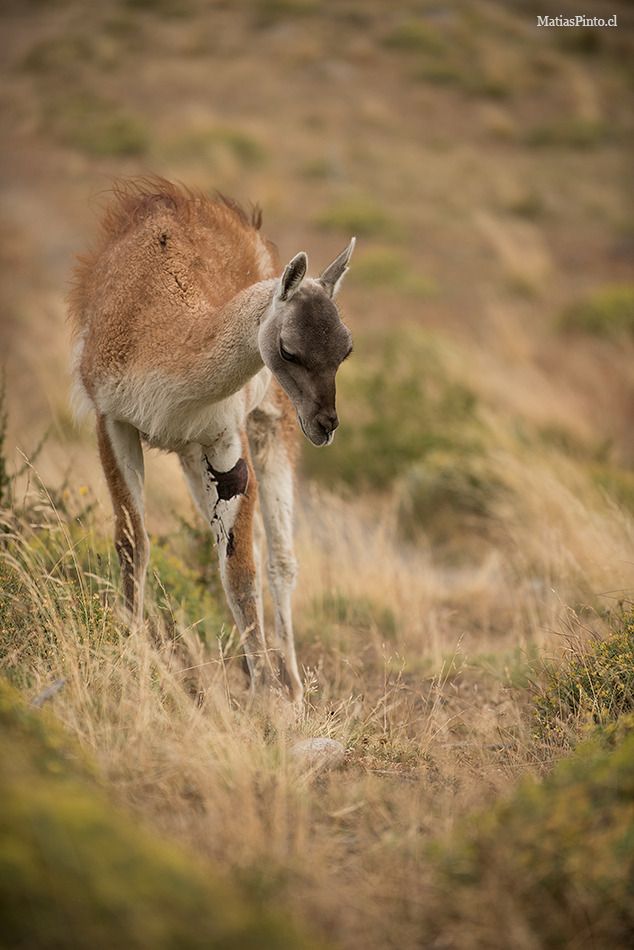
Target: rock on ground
[(318, 753)]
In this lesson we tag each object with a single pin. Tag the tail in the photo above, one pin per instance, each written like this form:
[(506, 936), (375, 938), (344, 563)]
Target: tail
[(80, 402)]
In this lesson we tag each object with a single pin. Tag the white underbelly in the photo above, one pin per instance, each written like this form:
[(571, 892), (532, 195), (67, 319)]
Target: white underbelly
[(161, 409)]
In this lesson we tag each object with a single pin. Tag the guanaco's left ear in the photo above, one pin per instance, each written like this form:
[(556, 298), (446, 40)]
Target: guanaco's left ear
[(334, 273), (293, 275)]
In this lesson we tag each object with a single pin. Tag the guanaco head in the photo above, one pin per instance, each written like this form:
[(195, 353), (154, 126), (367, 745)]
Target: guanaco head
[(303, 342)]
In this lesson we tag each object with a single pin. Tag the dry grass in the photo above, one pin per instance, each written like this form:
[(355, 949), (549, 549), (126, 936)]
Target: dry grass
[(431, 704)]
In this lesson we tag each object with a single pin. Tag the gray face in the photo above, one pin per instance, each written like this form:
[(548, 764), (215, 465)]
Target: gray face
[(303, 342)]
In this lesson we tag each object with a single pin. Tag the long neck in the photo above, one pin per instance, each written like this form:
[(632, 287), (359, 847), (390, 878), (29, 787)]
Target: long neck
[(229, 351)]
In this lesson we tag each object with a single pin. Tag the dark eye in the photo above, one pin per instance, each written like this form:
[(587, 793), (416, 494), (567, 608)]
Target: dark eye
[(289, 357)]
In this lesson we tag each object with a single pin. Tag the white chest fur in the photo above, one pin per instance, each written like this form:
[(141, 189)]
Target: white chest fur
[(163, 411)]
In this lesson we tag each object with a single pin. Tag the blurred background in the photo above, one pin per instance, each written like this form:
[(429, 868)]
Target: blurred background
[(482, 162), (471, 525)]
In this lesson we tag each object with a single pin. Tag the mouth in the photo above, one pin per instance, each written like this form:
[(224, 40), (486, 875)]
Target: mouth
[(326, 440)]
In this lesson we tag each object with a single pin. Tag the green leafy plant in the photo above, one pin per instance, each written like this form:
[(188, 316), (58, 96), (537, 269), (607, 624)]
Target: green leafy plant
[(386, 269), (568, 133), (360, 216), (595, 684), (608, 312), (416, 37), (555, 862), (97, 126), (448, 491)]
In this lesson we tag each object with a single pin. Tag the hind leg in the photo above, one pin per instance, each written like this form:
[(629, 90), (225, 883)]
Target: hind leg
[(122, 460), (223, 485)]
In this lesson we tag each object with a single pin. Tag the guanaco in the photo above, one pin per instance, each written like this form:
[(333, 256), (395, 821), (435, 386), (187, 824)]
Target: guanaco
[(189, 337)]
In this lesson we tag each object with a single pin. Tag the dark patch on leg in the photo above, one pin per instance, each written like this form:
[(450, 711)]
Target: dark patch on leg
[(231, 544), (231, 483)]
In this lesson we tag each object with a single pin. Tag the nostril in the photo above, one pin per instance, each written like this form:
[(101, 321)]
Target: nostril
[(328, 421)]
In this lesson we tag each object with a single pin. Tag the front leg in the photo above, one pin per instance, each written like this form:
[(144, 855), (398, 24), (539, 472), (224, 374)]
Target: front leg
[(222, 481)]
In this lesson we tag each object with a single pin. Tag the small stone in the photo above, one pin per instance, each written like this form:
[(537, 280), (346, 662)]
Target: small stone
[(318, 753)]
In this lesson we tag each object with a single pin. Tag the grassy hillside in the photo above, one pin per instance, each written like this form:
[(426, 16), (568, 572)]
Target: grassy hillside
[(75, 872), (465, 546), (420, 836)]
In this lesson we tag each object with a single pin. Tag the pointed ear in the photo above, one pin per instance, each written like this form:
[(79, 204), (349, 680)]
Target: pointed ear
[(293, 275), (334, 273)]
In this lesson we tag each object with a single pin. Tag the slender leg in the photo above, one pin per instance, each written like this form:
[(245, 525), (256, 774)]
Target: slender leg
[(258, 542), (273, 465), (122, 461), (223, 485)]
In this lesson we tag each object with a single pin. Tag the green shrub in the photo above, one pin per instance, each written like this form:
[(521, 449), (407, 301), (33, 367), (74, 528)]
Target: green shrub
[(608, 312), (359, 613), (529, 205), (319, 169), (97, 126), (596, 685), (79, 573), (616, 482), (514, 668), (269, 12), (359, 216), (447, 494), (398, 401), (416, 37), (46, 588), (59, 56), (246, 149), (554, 863), (75, 872), (568, 133), (557, 436), (382, 268), (441, 74), (168, 8), (580, 40), (209, 144), (179, 586)]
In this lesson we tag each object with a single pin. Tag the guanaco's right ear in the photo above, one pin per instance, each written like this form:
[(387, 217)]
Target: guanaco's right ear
[(293, 275)]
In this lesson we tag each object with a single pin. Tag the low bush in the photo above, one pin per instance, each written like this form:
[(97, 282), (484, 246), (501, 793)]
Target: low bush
[(211, 143), (594, 685), (75, 872), (59, 573), (96, 126), (568, 133), (359, 216), (336, 609), (416, 37), (385, 269), (616, 482), (59, 56), (399, 400), (608, 312), (551, 867), (448, 494)]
